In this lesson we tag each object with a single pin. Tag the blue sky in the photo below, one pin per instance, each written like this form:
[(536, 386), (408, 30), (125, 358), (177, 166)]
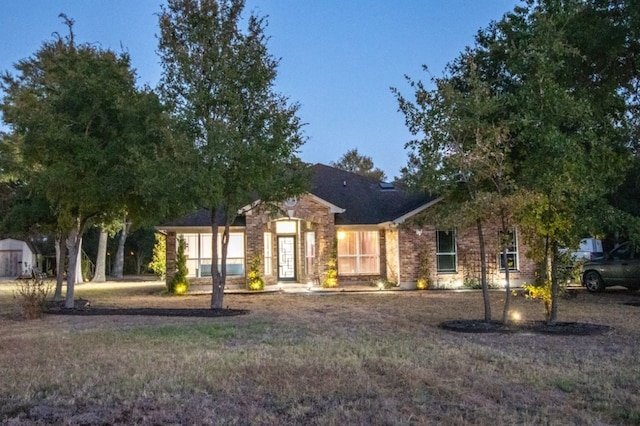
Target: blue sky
[(338, 57)]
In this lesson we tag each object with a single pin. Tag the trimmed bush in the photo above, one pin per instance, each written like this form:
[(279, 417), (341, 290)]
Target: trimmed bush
[(179, 284)]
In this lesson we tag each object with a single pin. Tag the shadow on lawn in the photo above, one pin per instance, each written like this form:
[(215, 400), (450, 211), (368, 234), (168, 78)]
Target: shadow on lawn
[(83, 307), (539, 327)]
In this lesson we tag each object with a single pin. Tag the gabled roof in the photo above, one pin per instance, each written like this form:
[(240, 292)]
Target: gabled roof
[(366, 201), (354, 199)]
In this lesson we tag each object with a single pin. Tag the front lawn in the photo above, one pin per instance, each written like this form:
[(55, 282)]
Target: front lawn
[(340, 358)]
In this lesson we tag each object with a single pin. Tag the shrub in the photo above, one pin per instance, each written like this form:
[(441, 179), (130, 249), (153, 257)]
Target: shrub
[(331, 275), (158, 262), (31, 296), (542, 292), (424, 272), (179, 284), (254, 278)]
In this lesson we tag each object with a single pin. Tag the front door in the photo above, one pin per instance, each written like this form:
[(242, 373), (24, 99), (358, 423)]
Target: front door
[(287, 258)]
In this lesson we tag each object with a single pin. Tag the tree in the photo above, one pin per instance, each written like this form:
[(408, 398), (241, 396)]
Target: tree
[(158, 262), (218, 79), (352, 161), (179, 283), (530, 121), (563, 64), (75, 116), (461, 152)]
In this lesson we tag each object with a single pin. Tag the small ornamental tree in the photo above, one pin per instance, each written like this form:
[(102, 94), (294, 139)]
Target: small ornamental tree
[(179, 284), (254, 278), (158, 263), (331, 275)]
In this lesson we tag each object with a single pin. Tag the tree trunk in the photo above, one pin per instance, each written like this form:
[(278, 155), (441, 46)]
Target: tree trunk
[(555, 286), (100, 275), (61, 254), (483, 273), (79, 276), (507, 286), (219, 276), (73, 246), (118, 267)]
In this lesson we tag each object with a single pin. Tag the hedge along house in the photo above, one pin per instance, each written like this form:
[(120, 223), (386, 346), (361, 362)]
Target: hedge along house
[(366, 221)]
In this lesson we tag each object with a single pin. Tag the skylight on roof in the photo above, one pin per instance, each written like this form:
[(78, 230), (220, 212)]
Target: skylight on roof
[(386, 185)]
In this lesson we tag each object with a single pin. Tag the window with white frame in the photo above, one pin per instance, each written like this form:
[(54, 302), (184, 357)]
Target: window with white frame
[(268, 254), (310, 253), (510, 241), (446, 252), (358, 253), (199, 254)]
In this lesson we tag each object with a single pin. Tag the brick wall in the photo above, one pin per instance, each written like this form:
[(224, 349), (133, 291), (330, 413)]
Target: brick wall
[(418, 245), (311, 216)]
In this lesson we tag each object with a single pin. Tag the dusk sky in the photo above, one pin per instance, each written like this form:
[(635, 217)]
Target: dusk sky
[(338, 57)]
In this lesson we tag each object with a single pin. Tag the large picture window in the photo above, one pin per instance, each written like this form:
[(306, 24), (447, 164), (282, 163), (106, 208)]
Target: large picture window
[(446, 253), (199, 254), (358, 253), (511, 238)]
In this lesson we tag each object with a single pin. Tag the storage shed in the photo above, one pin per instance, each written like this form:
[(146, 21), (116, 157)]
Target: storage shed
[(17, 258)]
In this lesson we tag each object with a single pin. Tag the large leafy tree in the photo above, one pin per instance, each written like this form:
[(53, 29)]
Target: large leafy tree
[(559, 79), (219, 77), (569, 112), (75, 115), (460, 152), (353, 161)]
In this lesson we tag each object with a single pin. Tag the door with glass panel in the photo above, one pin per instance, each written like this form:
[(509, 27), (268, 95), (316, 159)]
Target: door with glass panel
[(287, 258)]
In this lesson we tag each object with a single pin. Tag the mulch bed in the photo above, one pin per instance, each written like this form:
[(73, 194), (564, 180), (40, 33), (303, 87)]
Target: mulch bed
[(541, 327), (83, 307)]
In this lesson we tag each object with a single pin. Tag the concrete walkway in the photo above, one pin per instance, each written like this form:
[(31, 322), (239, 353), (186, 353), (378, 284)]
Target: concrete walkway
[(297, 288)]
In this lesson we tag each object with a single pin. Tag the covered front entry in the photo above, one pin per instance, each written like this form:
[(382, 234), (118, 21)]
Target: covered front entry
[(286, 258)]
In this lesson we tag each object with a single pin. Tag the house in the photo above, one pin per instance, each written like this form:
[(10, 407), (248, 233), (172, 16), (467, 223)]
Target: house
[(366, 221), (17, 258)]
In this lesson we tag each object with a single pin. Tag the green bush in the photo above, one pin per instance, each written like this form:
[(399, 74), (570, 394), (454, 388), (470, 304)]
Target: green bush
[(331, 275), (179, 284), (254, 278), (158, 263)]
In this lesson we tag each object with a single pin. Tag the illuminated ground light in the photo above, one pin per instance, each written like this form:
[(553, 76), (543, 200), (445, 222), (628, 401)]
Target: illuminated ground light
[(380, 285), (180, 288), (516, 316), (309, 285)]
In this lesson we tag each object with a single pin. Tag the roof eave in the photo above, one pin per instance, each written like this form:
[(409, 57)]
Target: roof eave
[(414, 212)]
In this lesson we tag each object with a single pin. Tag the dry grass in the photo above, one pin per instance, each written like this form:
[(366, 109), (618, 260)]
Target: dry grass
[(317, 359)]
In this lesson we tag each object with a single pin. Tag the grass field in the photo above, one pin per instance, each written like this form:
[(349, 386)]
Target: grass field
[(317, 359)]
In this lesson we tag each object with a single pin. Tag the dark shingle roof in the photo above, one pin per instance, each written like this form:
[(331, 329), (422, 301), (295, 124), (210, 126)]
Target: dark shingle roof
[(200, 218), (365, 200)]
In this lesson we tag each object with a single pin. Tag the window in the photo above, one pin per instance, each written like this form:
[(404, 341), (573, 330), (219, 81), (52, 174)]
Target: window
[(191, 251), (358, 253), (310, 253), (199, 256), (268, 254), (446, 253), (511, 240)]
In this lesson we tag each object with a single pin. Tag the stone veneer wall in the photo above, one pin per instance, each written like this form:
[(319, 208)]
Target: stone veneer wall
[(416, 243), (311, 216)]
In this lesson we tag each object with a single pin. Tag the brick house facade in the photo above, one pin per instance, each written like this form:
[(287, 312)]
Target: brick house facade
[(368, 222)]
